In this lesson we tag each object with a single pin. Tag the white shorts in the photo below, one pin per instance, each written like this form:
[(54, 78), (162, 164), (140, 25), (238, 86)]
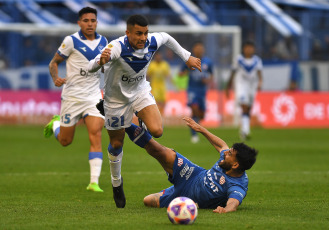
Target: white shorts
[(246, 93), (119, 116), (73, 111)]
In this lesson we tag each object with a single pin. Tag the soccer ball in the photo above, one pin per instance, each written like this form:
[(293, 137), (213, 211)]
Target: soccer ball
[(182, 210)]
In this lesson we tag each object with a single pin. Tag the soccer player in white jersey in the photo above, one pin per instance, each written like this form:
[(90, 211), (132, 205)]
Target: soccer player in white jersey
[(248, 70), (81, 91), (125, 61)]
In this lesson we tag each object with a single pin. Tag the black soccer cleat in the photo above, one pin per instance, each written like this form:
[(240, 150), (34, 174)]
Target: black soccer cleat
[(100, 106), (119, 195)]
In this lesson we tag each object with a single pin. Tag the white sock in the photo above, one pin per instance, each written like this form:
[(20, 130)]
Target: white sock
[(115, 167), (95, 169), (245, 126), (56, 124)]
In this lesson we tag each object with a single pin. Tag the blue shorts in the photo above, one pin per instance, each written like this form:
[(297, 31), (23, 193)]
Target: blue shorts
[(184, 175), (195, 98)]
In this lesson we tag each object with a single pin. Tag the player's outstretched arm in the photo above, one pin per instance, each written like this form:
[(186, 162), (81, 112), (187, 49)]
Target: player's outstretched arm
[(217, 142), (53, 70), (193, 63), (231, 206)]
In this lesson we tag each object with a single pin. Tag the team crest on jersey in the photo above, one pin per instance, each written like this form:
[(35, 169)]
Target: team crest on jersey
[(148, 56), (109, 46), (180, 162), (63, 46), (222, 180), (100, 47)]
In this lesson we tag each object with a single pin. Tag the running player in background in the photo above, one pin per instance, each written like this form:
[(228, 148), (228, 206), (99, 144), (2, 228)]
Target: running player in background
[(125, 62), (158, 72), (222, 188), (248, 69), (81, 91), (197, 86)]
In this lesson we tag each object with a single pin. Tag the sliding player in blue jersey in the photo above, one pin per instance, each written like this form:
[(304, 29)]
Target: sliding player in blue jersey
[(222, 188), (197, 86)]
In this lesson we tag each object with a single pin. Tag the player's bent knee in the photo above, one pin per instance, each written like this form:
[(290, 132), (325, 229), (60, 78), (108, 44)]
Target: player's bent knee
[(66, 141), (157, 132)]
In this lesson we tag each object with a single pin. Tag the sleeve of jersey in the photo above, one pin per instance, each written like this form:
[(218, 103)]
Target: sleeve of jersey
[(66, 47), (236, 192), (170, 42), (260, 64)]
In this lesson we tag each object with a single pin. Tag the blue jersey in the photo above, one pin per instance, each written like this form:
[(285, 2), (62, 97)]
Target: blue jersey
[(208, 188), (195, 76)]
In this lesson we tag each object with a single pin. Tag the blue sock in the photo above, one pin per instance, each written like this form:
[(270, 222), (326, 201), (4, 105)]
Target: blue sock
[(93, 155), (138, 135), (113, 151), (57, 132)]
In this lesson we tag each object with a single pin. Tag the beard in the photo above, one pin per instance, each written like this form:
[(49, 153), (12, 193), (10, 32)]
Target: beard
[(225, 165)]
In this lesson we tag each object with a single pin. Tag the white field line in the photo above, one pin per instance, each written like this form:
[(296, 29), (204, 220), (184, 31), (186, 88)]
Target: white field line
[(155, 173)]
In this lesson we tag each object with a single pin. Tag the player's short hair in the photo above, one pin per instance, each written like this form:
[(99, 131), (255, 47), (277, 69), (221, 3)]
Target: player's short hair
[(245, 155), (137, 19), (87, 10), (248, 43)]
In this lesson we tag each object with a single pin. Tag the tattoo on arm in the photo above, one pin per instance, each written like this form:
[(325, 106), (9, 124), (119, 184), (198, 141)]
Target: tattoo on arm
[(53, 66)]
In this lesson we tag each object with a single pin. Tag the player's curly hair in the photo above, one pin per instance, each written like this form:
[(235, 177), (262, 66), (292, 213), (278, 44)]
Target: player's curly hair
[(137, 19), (245, 155), (87, 10)]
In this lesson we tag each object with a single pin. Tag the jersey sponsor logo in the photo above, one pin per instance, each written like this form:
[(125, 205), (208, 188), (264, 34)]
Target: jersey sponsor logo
[(130, 58), (83, 48), (222, 180), (211, 183), (180, 162), (85, 73), (186, 171), (132, 79), (189, 173)]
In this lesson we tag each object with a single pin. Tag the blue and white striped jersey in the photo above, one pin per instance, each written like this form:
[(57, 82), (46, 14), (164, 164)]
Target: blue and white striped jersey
[(78, 51), (125, 73)]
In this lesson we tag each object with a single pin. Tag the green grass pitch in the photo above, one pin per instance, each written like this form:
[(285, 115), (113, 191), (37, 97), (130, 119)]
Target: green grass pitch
[(43, 185)]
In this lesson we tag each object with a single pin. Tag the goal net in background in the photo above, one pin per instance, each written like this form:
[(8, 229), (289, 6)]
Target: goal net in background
[(222, 43)]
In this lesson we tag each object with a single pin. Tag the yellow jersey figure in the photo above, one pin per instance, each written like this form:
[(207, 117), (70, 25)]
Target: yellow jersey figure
[(158, 72)]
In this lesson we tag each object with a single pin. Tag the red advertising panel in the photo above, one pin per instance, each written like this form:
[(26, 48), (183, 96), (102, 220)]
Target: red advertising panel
[(270, 110)]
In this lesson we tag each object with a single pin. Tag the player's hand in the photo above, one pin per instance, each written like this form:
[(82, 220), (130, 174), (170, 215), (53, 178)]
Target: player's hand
[(59, 81), (219, 209), (192, 124), (105, 56), (193, 63)]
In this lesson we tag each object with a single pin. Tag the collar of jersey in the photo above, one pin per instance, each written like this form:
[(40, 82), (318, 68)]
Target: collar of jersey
[(130, 48), (82, 36)]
